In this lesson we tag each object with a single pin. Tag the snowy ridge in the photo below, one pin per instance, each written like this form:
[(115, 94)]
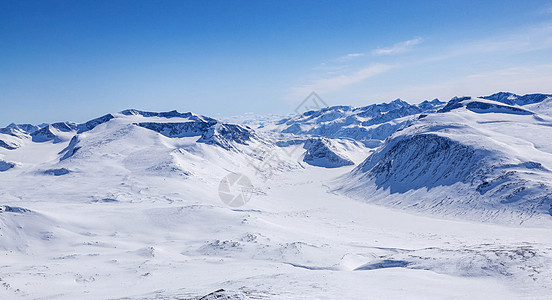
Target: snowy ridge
[(186, 124), (482, 106), (135, 143), (211, 131), (28, 128), (93, 123), (513, 99), (224, 134), (369, 124), (56, 132)]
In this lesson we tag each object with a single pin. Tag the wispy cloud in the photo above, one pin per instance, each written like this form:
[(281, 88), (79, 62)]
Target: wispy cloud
[(330, 84), (520, 80), (329, 81), (349, 57), (398, 48), (524, 40), (547, 9), (339, 74)]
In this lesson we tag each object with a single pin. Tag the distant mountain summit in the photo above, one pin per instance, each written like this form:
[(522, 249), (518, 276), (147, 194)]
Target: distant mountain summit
[(369, 124), (513, 99), (322, 152)]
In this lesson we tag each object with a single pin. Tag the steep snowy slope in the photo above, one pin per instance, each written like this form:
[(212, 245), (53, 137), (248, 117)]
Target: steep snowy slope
[(474, 159)]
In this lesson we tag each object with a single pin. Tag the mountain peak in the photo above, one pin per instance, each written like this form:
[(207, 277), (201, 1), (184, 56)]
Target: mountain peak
[(504, 97), (399, 101), (167, 114), (513, 99)]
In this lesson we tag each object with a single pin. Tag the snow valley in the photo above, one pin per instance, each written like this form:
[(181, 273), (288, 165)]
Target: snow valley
[(443, 199)]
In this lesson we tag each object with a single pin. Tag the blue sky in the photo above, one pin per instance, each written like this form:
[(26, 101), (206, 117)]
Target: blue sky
[(75, 60)]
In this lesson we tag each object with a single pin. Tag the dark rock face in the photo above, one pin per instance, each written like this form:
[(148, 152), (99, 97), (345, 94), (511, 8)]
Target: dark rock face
[(64, 126), (222, 134), (454, 103), (4, 165), (7, 145), (177, 130), (71, 149), (28, 128), (321, 153), (13, 209), (482, 107), (168, 114), (93, 123), (56, 172), (43, 135), (210, 131)]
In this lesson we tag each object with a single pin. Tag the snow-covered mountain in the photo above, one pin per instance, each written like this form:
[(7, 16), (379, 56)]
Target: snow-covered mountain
[(128, 206), (440, 152), (513, 99), (474, 158), (323, 152), (369, 124), (162, 144), (183, 125)]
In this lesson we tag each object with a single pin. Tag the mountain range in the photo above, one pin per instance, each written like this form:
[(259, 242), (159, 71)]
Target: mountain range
[(455, 190)]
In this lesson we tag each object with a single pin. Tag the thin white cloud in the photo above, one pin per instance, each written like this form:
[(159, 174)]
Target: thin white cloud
[(546, 9), (398, 48), (523, 40), (520, 80), (349, 57), (325, 85), (330, 82), (330, 68)]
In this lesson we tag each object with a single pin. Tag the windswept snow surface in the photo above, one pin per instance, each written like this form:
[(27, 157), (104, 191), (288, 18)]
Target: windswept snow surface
[(115, 209)]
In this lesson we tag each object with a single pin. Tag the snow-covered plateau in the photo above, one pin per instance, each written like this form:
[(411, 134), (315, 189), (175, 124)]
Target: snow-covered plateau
[(439, 200)]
